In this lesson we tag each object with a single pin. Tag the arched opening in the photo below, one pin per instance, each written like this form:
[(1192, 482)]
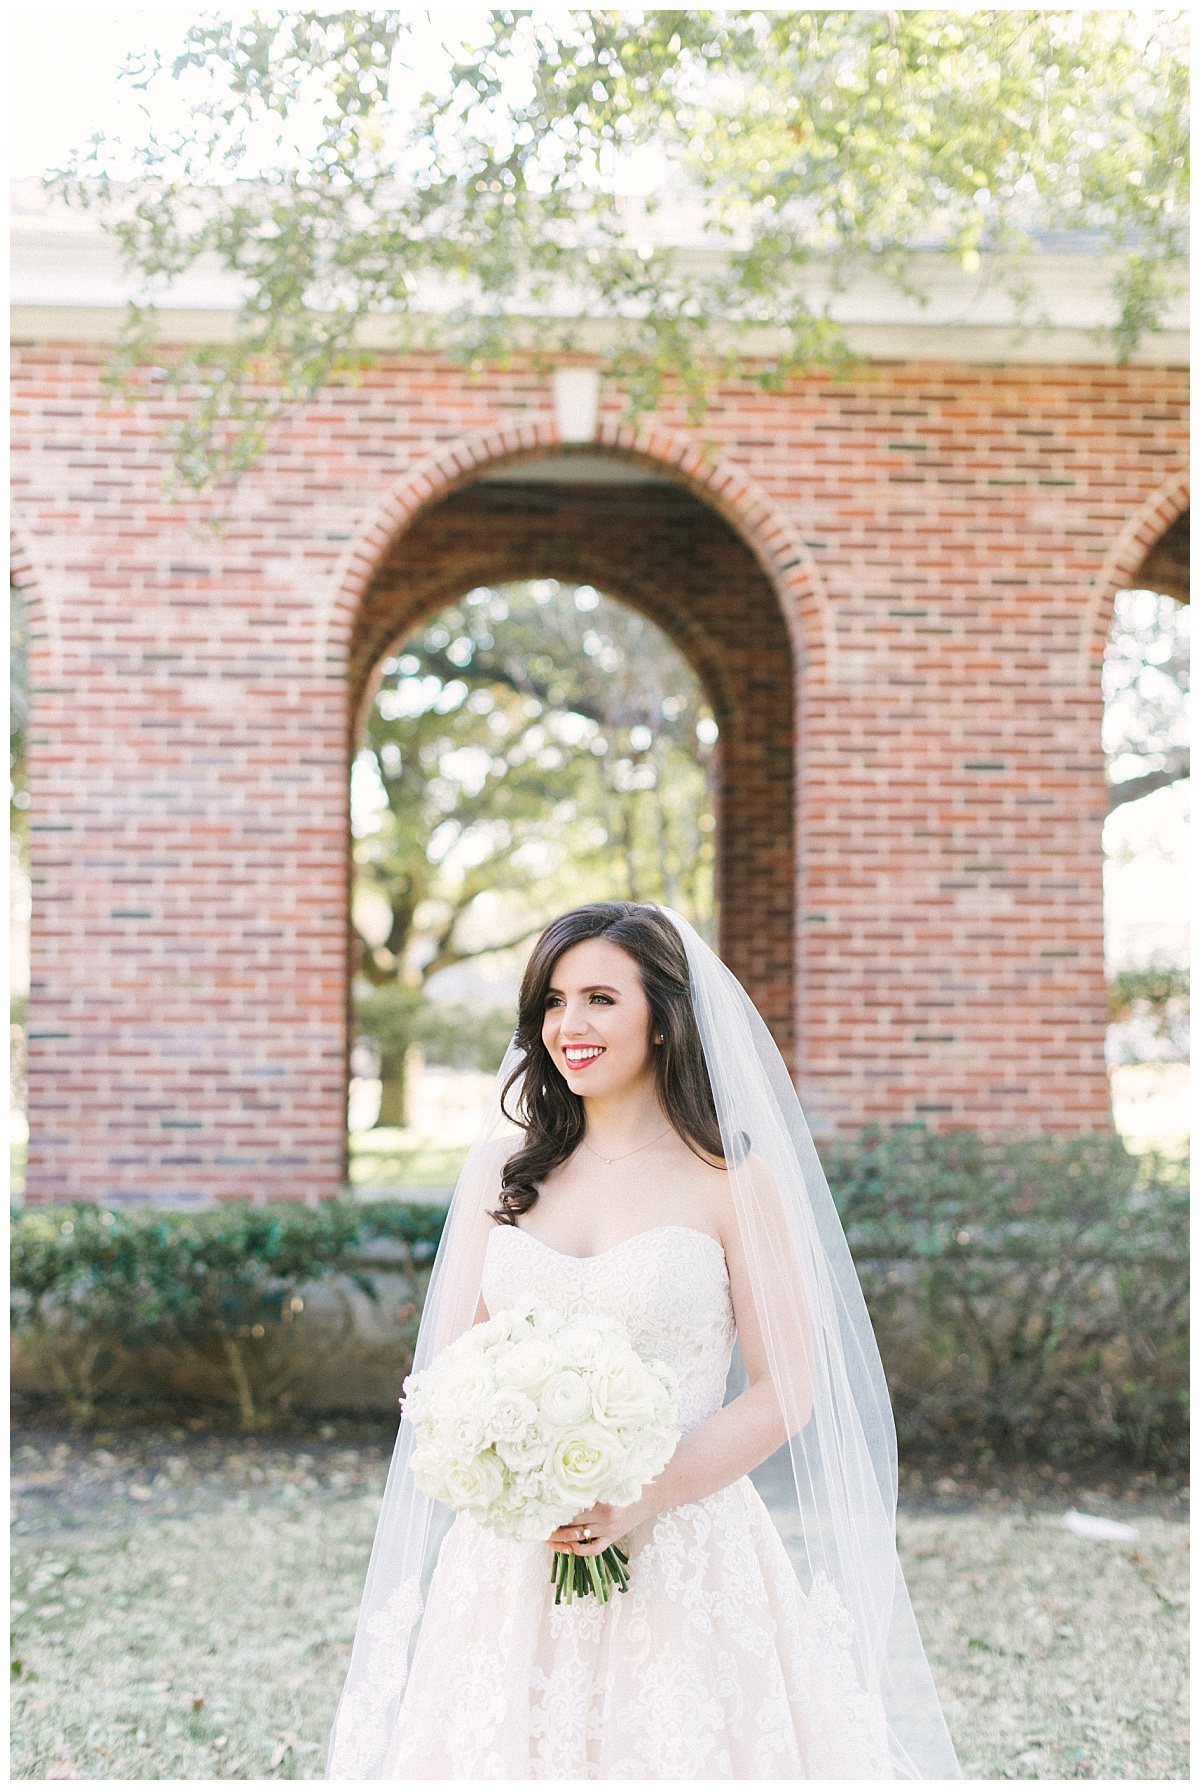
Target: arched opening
[(617, 525), (1167, 566), (1147, 747), (529, 748)]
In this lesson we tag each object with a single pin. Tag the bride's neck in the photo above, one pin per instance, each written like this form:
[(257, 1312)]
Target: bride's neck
[(624, 1120)]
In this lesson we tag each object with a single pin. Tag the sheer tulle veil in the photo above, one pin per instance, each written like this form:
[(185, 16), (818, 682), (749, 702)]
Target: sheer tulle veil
[(839, 1504)]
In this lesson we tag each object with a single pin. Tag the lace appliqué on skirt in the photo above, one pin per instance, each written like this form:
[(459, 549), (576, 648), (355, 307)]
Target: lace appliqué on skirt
[(713, 1665), (365, 1713)]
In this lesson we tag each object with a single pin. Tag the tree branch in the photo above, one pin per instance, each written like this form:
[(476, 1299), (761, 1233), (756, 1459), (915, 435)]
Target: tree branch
[(1132, 789)]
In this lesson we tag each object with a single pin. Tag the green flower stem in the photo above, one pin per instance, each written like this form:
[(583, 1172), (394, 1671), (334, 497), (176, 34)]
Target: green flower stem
[(588, 1575)]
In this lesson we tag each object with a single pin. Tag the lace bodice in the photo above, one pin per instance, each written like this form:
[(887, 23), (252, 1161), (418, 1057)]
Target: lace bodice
[(669, 1286)]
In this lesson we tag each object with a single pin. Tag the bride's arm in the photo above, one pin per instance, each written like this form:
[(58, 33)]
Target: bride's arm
[(743, 1433)]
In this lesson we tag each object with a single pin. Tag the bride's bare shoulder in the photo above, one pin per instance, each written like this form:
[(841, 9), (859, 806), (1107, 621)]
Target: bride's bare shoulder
[(755, 1179), (697, 1186)]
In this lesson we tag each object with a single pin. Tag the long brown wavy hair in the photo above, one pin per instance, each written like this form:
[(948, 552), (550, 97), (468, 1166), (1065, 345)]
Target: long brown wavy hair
[(549, 1112)]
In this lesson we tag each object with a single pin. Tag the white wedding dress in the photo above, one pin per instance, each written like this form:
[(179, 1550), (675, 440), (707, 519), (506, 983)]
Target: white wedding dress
[(714, 1664)]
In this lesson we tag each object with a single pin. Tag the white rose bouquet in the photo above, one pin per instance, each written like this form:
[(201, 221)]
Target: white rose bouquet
[(530, 1417)]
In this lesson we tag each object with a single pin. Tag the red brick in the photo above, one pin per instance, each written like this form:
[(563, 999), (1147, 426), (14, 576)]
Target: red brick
[(869, 619)]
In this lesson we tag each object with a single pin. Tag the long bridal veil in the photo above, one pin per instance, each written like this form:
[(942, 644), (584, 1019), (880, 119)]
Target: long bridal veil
[(840, 1497)]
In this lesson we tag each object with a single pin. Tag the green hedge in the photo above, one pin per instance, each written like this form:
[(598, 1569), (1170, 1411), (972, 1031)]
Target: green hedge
[(1027, 1296), (222, 1289)]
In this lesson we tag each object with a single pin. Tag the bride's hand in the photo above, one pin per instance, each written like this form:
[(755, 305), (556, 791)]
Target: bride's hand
[(604, 1523)]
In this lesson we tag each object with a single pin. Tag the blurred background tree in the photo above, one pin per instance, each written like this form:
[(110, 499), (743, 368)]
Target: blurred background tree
[(489, 194), (1147, 683), (1146, 735), (532, 747)]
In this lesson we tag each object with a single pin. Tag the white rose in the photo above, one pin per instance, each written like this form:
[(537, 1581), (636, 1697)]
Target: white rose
[(626, 1394), (584, 1460), (416, 1403), (491, 1331), (428, 1468), (473, 1484), (463, 1379), (645, 1459), (526, 1365), (533, 1521), (566, 1399), (508, 1415), (518, 1319)]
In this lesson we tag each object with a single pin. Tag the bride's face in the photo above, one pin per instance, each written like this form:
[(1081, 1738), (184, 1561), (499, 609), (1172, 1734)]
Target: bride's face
[(597, 1020)]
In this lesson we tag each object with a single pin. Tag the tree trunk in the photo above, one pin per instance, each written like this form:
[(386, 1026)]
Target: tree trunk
[(241, 1382), (393, 1102), (1134, 788)]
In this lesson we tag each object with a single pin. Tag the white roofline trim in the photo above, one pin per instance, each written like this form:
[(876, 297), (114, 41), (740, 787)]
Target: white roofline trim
[(984, 345)]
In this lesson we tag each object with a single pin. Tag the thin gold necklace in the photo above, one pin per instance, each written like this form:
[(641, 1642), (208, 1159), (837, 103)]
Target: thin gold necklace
[(611, 1159)]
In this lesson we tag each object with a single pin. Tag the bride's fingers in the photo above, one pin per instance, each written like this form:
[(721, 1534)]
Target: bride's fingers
[(570, 1539), (579, 1527)]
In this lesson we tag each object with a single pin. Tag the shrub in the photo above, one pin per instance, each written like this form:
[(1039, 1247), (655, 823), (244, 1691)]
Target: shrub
[(218, 1292), (1027, 1297)]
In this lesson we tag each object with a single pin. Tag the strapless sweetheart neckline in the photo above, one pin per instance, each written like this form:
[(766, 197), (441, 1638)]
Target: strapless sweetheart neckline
[(653, 1230)]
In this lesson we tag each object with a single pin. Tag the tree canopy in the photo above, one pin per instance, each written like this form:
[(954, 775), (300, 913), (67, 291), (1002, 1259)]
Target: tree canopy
[(527, 733), (532, 746), (568, 166)]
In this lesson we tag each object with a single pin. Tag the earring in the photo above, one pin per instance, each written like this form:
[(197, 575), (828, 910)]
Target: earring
[(658, 1040)]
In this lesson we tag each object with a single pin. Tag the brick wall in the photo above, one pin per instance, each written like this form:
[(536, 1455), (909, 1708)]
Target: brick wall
[(917, 565)]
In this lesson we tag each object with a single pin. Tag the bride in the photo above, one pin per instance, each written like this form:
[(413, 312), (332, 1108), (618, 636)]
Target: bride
[(662, 1174)]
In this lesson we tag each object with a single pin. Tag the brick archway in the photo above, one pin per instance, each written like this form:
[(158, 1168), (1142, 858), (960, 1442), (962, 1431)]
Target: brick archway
[(660, 548), (1124, 561), (768, 532), (188, 766)]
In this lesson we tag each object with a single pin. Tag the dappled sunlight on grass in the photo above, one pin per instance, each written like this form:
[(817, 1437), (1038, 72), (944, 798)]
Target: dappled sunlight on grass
[(1057, 1657), (388, 1159), (185, 1604)]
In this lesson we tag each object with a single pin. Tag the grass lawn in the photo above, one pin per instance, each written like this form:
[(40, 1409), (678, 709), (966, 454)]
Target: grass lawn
[(184, 1604), (388, 1162)]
